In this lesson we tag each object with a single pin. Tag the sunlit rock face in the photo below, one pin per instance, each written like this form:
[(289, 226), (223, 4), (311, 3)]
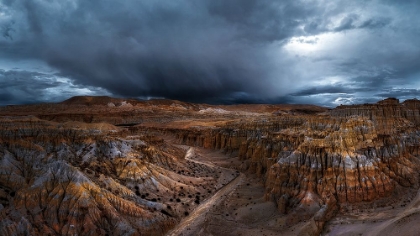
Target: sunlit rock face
[(314, 165), (353, 162)]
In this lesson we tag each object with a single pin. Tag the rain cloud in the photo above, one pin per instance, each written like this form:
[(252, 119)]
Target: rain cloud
[(213, 51)]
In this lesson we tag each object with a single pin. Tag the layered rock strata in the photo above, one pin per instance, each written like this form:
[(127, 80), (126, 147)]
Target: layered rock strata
[(315, 165), (78, 173), (93, 179)]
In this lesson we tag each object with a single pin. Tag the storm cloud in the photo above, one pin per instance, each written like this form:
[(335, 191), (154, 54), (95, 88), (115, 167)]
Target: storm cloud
[(214, 51)]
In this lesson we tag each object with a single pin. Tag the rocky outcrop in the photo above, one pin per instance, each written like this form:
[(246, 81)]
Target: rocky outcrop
[(93, 179), (314, 165), (387, 110)]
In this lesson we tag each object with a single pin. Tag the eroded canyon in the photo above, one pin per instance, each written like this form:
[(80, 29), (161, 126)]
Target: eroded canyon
[(107, 166)]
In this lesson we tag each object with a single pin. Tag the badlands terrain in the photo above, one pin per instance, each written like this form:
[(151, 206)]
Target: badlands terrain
[(109, 166)]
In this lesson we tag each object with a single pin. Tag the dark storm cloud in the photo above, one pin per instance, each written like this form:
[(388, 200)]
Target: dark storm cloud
[(6, 30), (244, 98), (6, 98), (400, 93), (375, 23), (15, 89), (197, 51), (184, 50), (349, 22), (212, 50), (323, 89)]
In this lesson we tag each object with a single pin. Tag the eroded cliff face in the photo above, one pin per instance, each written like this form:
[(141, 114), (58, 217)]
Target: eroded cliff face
[(315, 165), (93, 179)]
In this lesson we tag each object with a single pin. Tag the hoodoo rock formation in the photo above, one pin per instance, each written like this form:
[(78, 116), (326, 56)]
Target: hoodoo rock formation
[(315, 165), (86, 167)]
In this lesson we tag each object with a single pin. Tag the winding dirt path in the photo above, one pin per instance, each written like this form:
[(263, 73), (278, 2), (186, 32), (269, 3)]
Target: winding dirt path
[(198, 216)]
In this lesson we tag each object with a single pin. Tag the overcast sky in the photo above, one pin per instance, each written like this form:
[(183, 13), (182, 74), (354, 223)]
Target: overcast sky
[(214, 51)]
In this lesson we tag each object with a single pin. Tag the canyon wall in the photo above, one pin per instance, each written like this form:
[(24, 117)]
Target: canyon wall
[(314, 165)]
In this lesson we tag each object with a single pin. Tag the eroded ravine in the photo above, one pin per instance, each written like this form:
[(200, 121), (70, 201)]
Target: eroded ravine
[(198, 216)]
